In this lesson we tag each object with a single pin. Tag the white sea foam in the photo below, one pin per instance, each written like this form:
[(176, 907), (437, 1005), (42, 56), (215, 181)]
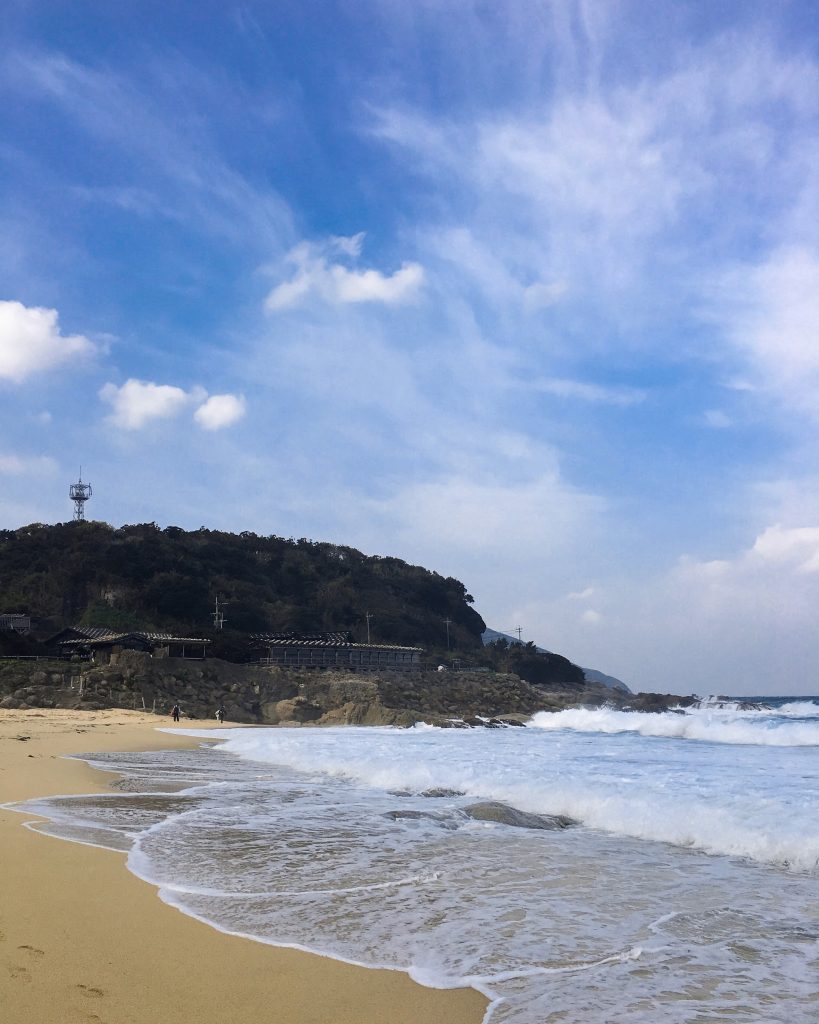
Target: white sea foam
[(718, 801), (705, 724), (799, 709), (323, 840)]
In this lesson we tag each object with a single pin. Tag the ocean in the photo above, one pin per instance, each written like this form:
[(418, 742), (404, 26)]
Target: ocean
[(687, 891)]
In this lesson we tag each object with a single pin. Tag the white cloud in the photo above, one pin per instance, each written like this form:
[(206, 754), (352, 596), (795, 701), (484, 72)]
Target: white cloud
[(797, 547), (138, 402), (335, 283), (504, 531), (578, 197), (220, 411), (717, 419), (770, 313), (742, 624), (625, 198), (564, 388), (38, 465), (544, 294), (31, 342)]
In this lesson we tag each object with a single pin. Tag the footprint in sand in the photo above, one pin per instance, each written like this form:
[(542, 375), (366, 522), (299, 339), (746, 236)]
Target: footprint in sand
[(33, 951), (90, 991), (19, 973)]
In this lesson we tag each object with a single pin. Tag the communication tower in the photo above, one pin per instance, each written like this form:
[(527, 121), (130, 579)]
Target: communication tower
[(79, 493)]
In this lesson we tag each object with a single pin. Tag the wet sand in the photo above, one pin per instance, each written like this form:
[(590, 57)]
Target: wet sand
[(83, 940)]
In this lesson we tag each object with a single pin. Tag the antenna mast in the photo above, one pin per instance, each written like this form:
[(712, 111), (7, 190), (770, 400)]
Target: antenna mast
[(218, 616), (79, 493)]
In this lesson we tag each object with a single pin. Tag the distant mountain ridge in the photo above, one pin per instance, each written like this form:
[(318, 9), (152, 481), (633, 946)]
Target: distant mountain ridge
[(489, 636)]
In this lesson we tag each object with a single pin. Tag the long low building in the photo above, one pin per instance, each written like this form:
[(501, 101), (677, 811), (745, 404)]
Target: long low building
[(15, 622), (99, 643), (332, 650)]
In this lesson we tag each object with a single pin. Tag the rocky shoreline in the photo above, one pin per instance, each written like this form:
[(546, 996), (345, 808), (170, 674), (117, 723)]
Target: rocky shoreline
[(262, 695)]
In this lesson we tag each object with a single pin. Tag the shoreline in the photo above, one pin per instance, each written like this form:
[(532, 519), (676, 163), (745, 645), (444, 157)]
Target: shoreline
[(82, 939)]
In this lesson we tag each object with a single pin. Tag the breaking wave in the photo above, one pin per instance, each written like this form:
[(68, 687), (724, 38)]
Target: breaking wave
[(756, 728)]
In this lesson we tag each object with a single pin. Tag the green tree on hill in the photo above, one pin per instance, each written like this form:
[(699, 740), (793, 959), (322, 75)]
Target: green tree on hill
[(141, 576)]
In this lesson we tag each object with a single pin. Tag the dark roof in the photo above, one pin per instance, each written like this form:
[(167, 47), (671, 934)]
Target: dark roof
[(79, 632), (12, 618), (296, 636), (98, 636)]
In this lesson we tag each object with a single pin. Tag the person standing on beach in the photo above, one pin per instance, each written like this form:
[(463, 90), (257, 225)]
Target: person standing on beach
[(220, 714), (175, 712)]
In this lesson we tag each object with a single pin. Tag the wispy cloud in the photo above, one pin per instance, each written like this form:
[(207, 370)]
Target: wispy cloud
[(576, 389), (27, 465), (629, 200), (319, 274), (717, 419), (769, 312), (146, 116)]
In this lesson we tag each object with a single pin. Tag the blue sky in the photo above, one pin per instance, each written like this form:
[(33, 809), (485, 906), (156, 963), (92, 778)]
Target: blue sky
[(527, 293)]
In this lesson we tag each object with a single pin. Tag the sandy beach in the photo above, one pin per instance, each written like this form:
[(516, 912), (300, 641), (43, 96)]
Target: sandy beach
[(81, 939)]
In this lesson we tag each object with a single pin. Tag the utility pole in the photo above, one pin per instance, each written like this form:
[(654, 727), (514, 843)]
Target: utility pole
[(218, 616), (448, 622), (518, 630), (367, 616)]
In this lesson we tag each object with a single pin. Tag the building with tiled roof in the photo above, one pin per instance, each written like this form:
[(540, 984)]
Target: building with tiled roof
[(331, 650), (16, 622), (100, 642)]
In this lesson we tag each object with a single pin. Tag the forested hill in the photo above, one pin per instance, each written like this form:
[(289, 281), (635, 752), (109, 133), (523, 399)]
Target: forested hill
[(143, 577)]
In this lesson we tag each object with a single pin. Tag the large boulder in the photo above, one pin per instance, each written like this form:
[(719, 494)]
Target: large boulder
[(503, 814), (297, 709)]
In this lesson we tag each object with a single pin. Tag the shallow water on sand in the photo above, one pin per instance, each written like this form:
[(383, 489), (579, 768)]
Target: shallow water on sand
[(688, 892)]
